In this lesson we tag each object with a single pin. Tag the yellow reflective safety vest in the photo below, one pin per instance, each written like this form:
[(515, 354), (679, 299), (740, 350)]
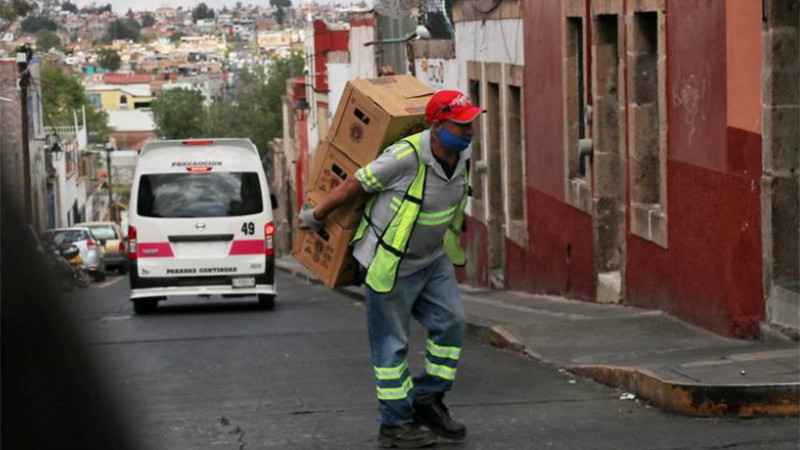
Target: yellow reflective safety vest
[(393, 242)]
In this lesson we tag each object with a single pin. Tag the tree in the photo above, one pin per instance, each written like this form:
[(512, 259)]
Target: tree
[(148, 20), (109, 60), (175, 38), (127, 29), (61, 95), (68, 6), (202, 11), (93, 9), (179, 114), (34, 24), (12, 10), (280, 14), (256, 109), (46, 39)]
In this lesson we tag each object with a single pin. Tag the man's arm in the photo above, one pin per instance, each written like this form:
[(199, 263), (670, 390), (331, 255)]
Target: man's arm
[(341, 195)]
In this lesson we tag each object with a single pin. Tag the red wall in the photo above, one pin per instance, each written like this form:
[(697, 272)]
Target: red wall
[(711, 273), (559, 256), (326, 40)]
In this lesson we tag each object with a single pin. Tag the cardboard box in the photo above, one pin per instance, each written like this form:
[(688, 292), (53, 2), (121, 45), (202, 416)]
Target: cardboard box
[(327, 253), (331, 168), (375, 113)]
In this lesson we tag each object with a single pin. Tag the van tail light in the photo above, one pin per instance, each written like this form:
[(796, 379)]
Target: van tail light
[(269, 239), (198, 142), (131, 242), (91, 244)]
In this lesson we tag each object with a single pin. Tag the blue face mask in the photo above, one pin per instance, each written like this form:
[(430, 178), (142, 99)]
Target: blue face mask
[(453, 142)]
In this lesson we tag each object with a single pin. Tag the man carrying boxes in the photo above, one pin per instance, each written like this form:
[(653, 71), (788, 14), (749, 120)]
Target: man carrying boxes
[(407, 243)]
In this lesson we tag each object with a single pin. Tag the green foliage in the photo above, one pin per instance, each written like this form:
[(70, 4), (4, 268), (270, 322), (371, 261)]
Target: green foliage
[(179, 114), (34, 24), (109, 60), (68, 6), (61, 95), (280, 14), (96, 9), (46, 39), (202, 11), (14, 9), (256, 110), (127, 29), (175, 38), (148, 20)]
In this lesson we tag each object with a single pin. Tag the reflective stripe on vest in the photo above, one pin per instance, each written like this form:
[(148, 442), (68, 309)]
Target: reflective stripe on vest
[(393, 243)]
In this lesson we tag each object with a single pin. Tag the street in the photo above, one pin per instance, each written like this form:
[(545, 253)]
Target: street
[(219, 373)]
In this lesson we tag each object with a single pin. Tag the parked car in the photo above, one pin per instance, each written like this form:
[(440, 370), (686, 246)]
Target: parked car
[(115, 255), (91, 249)]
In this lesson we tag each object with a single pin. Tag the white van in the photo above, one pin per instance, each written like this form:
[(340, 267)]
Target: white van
[(200, 223)]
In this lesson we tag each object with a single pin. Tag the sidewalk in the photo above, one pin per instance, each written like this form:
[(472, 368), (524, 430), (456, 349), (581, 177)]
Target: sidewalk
[(673, 365)]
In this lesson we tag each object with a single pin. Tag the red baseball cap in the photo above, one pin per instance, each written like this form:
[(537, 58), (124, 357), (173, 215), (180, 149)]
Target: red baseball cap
[(451, 105)]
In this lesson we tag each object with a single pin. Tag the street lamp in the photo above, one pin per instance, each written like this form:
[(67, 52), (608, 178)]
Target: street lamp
[(301, 109), (56, 151), (109, 148)]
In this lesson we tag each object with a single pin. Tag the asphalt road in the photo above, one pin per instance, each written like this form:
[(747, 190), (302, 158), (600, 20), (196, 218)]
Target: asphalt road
[(220, 374)]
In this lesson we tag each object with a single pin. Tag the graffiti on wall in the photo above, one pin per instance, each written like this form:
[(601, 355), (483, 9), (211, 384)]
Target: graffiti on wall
[(691, 94)]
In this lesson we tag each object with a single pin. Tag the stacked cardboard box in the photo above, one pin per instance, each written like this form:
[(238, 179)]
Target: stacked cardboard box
[(372, 114)]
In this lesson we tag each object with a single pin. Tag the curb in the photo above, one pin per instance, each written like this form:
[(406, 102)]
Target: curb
[(694, 400), (698, 400)]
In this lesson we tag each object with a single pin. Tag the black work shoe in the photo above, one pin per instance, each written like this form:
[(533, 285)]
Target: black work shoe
[(436, 417), (412, 435)]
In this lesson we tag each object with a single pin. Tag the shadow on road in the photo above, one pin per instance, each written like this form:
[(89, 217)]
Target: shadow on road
[(183, 307)]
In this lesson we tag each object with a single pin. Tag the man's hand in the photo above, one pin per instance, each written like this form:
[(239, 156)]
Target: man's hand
[(306, 219)]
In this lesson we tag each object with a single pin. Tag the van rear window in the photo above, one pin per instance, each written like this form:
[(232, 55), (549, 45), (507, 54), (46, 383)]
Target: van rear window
[(220, 194)]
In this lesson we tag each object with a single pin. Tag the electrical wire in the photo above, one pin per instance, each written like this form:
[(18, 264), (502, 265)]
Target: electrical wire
[(488, 11)]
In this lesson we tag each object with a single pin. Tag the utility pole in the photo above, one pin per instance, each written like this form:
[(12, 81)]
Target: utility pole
[(111, 217), (24, 54)]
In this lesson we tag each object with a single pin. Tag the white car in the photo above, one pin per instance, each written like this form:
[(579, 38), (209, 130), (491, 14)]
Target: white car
[(91, 248), (200, 223)]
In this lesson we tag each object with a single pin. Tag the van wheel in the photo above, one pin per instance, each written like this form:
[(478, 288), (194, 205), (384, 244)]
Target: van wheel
[(145, 306), (266, 302)]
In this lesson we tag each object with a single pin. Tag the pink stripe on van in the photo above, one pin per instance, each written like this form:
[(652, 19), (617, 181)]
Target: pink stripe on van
[(248, 247), (154, 250)]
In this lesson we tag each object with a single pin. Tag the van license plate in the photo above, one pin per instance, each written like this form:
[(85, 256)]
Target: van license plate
[(244, 282)]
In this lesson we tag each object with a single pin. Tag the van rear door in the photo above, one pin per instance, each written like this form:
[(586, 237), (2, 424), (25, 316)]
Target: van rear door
[(205, 222)]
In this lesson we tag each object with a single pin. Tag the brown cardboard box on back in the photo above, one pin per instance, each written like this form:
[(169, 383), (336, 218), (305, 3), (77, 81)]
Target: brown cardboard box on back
[(374, 113), (326, 253), (330, 168)]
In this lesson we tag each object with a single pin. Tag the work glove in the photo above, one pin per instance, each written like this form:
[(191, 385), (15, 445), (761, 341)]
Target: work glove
[(307, 220)]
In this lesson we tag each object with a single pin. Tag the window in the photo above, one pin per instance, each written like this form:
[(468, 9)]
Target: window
[(477, 151), (224, 194), (104, 232), (576, 96), (515, 161), (647, 137), (123, 100)]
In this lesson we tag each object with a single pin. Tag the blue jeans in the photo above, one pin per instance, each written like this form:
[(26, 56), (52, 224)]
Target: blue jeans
[(431, 295)]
